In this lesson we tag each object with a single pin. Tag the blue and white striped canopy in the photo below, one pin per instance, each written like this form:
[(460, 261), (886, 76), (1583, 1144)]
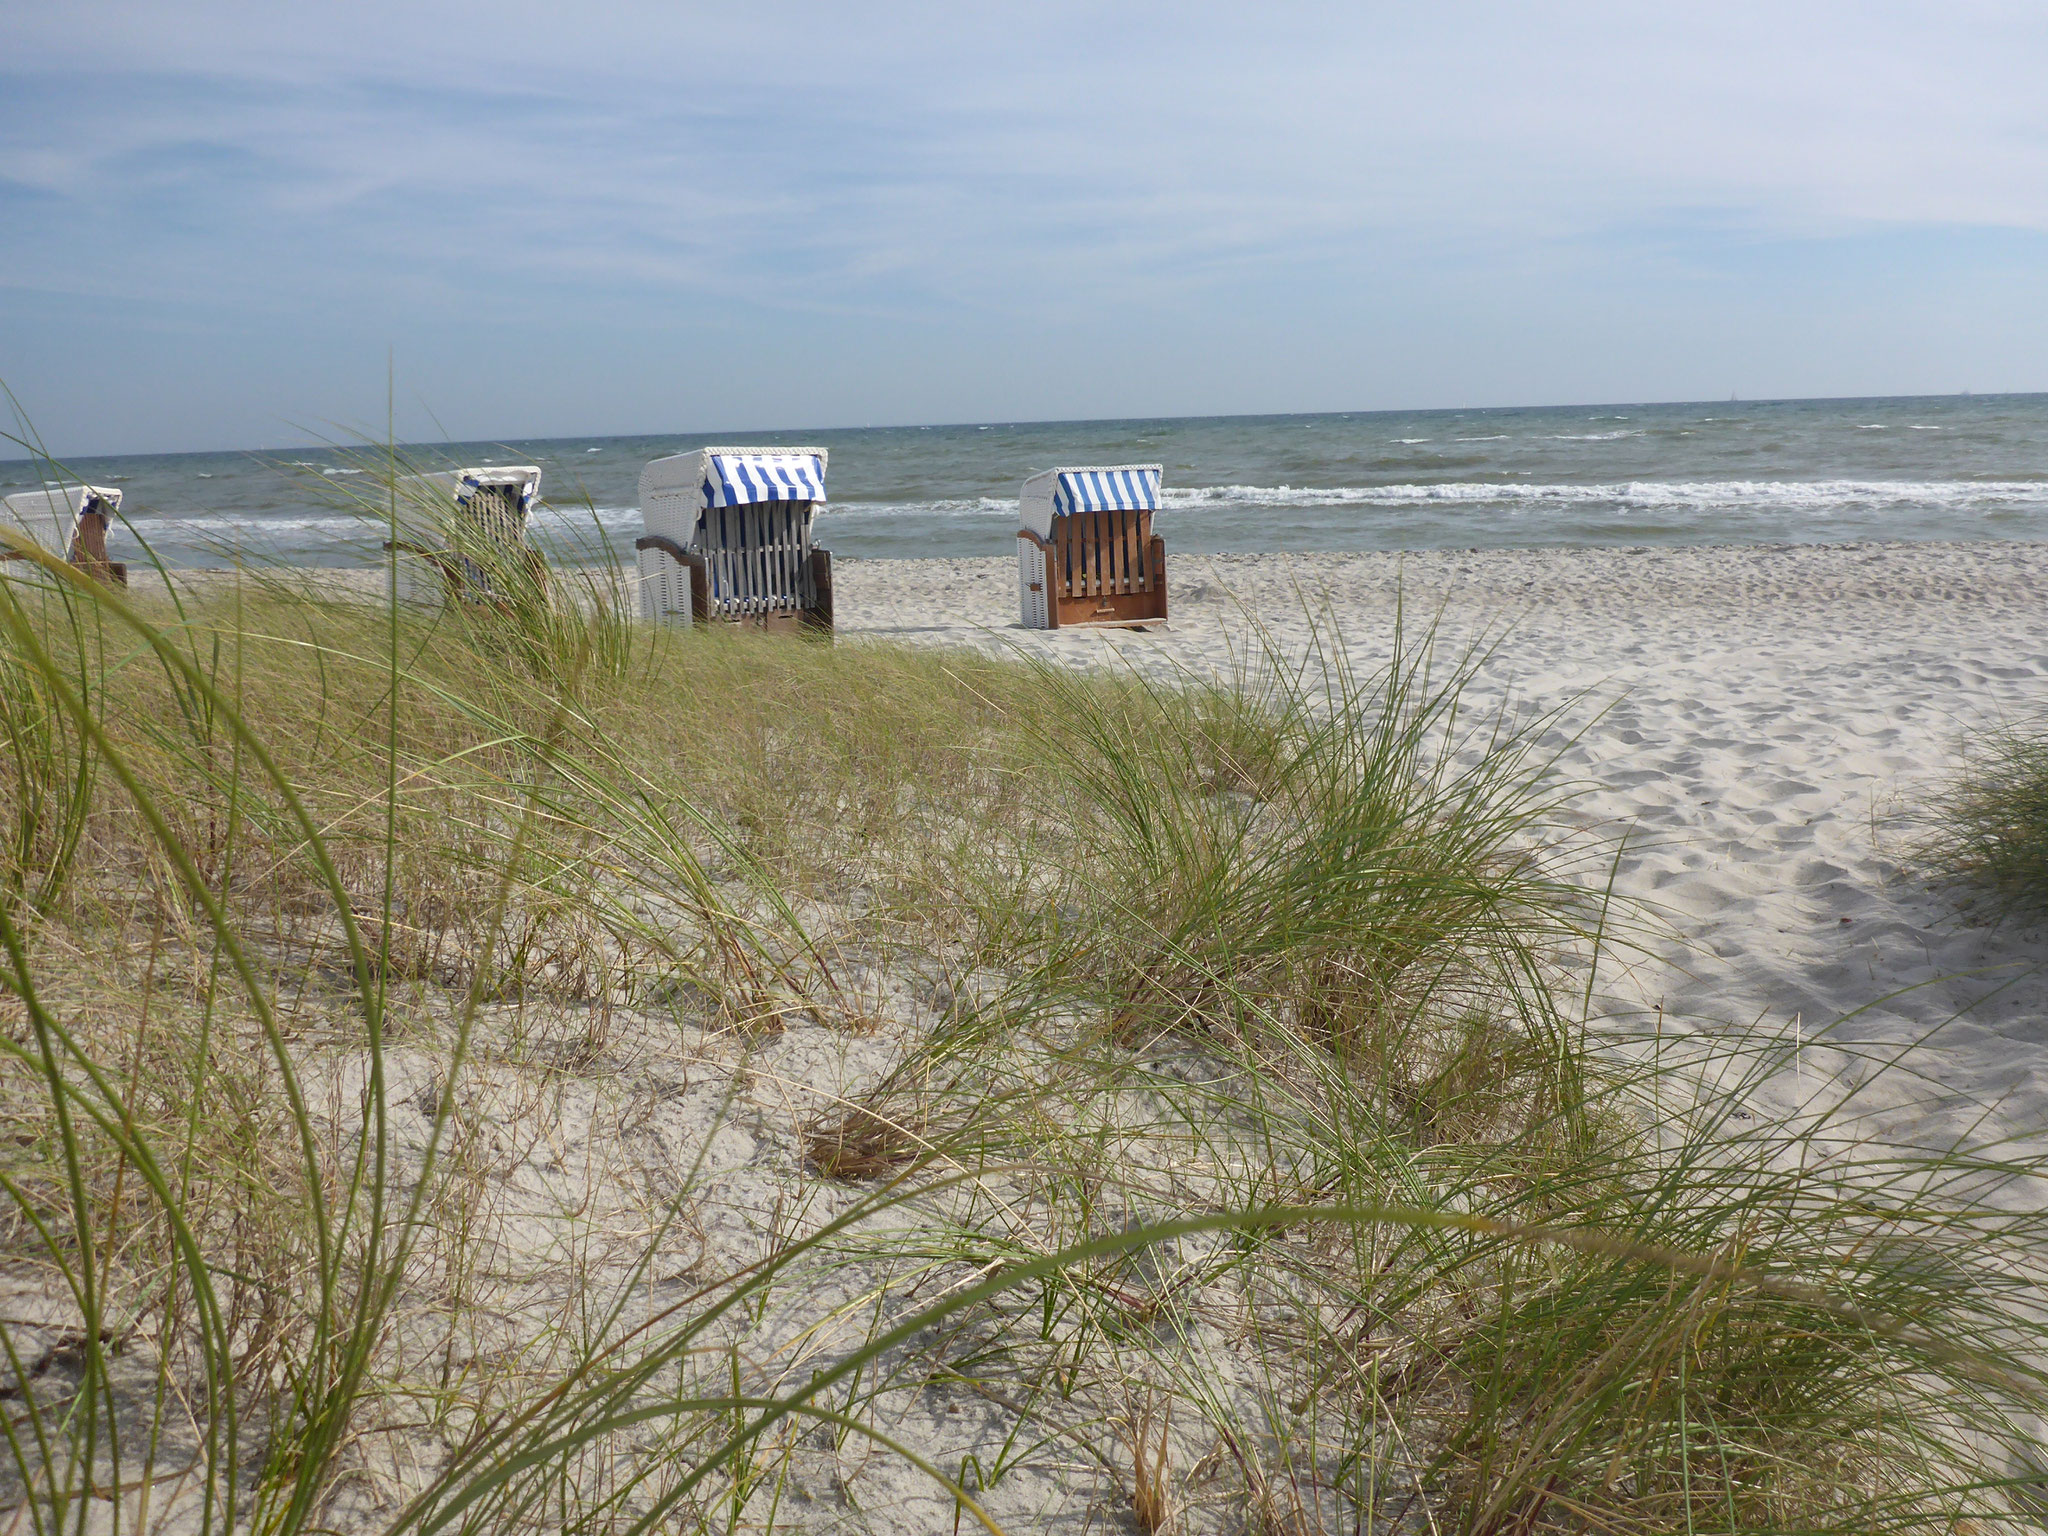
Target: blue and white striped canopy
[(473, 480), (1103, 490), (736, 479)]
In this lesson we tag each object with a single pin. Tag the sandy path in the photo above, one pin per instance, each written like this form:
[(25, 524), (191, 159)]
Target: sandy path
[(1773, 718)]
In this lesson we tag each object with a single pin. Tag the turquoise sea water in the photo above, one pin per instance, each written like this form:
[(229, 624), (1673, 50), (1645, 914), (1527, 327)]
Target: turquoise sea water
[(1952, 467)]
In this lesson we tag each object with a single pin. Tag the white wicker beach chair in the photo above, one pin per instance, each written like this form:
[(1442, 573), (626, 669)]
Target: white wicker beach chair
[(466, 529), (71, 522), (1086, 552), (728, 537)]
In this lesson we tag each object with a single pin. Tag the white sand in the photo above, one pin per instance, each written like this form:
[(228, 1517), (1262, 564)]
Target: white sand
[(1776, 719)]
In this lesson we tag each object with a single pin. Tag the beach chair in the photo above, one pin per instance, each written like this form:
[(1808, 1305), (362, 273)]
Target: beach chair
[(728, 538), (1086, 552), (70, 521), (466, 532)]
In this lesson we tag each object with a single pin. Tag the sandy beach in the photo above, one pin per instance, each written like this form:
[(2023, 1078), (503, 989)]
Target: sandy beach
[(1766, 723)]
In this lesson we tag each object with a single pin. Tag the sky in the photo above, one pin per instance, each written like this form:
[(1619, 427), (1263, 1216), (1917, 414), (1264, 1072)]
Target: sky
[(229, 224)]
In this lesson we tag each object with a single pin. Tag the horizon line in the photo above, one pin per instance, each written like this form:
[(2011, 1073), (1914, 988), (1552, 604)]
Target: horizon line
[(1049, 421)]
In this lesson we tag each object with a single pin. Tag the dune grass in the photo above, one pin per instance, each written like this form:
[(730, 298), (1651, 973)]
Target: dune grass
[(1231, 1153), (1991, 825)]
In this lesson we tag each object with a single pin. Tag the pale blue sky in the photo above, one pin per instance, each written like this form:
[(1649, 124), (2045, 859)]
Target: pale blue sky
[(216, 217)]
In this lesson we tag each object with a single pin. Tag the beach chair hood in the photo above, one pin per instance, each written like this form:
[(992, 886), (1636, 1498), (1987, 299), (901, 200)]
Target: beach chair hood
[(425, 503), (732, 477), (1099, 488), (741, 477)]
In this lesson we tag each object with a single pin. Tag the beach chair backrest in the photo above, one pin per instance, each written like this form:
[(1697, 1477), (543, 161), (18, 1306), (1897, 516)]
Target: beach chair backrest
[(463, 514), (758, 557), (1086, 549), (493, 514), (747, 515), (70, 521)]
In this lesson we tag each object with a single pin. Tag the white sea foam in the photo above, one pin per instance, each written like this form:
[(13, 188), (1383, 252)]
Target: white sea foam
[(967, 506), (576, 516), (269, 526), (1411, 439), (1498, 437), (1594, 437), (1818, 496), (1806, 495), (1815, 498)]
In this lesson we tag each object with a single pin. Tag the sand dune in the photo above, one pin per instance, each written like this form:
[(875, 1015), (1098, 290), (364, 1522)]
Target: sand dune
[(1767, 724), (1764, 725)]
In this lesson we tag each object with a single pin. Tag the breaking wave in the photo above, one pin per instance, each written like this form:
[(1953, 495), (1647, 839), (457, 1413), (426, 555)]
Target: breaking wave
[(961, 506)]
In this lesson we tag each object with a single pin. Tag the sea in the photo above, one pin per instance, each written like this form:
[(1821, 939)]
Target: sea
[(1722, 472)]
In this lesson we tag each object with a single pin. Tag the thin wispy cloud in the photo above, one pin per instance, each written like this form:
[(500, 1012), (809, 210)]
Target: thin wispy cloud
[(1387, 199)]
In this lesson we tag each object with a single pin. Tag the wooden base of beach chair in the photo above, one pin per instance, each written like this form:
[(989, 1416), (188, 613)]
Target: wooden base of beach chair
[(819, 616), (455, 583), (1105, 569), (785, 621), (814, 620), (1117, 610), (807, 623), (112, 572)]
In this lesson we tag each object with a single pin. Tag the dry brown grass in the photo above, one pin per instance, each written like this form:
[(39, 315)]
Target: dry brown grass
[(1147, 1434)]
